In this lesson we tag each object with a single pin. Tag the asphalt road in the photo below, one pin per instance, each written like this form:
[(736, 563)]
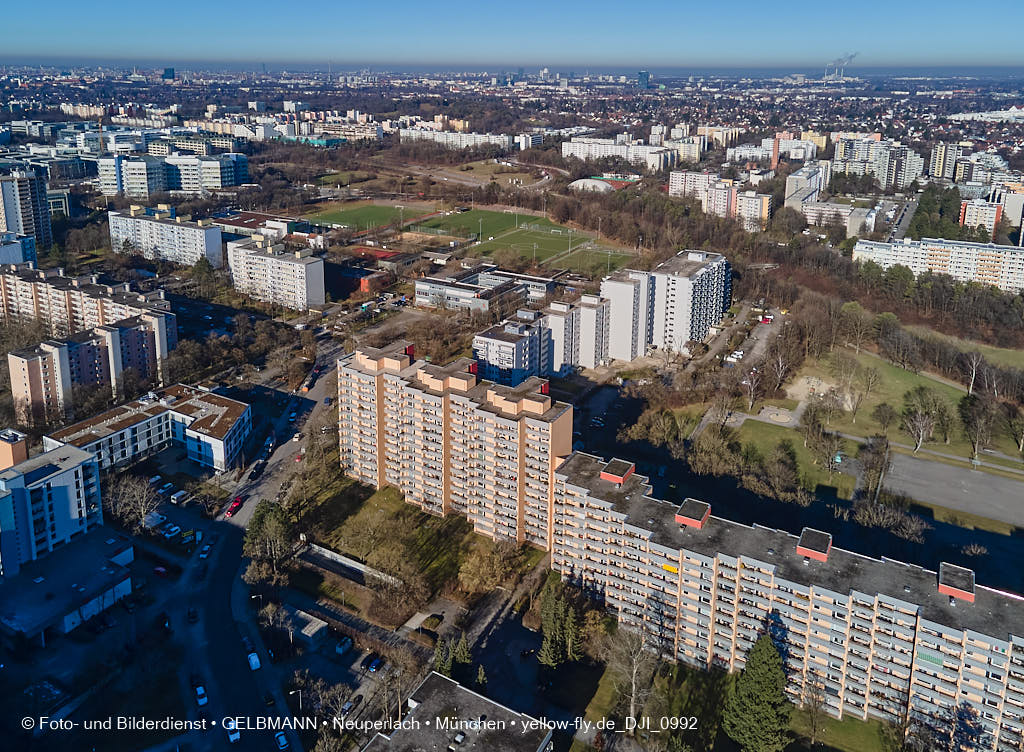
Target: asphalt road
[(972, 491)]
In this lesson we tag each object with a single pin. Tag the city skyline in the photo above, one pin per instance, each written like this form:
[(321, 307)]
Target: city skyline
[(464, 34)]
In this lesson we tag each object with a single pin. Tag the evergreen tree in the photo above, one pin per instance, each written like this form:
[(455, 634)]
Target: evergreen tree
[(481, 677), (461, 651), (573, 643), (443, 657), (757, 714), (549, 655)]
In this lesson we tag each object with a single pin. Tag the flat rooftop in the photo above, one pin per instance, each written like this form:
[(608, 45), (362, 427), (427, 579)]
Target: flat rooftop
[(993, 612), (46, 464), (45, 591), (686, 263), (213, 415), (439, 697)]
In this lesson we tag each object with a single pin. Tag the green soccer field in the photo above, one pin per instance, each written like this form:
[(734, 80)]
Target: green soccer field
[(593, 263), (525, 242), (361, 216)]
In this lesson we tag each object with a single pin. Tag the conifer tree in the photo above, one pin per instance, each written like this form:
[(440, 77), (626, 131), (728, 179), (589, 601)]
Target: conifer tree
[(757, 714)]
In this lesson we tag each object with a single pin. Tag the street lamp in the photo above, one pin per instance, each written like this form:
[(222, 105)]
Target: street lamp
[(299, 693)]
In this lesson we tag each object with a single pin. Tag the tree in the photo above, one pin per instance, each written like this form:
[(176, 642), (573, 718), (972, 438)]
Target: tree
[(972, 362), (978, 416), (481, 676), (885, 415), (129, 500), (1013, 419), (757, 714), (923, 409), (571, 636), (632, 663), (752, 386), (857, 323), (268, 538), (443, 657), (812, 700), (461, 652)]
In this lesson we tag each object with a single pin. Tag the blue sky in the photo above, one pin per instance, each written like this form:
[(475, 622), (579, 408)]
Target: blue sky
[(577, 34)]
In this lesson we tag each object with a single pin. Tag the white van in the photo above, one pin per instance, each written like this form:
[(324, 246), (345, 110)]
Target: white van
[(179, 497)]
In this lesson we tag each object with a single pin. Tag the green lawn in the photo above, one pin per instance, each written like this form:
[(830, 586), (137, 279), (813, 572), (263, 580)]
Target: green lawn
[(469, 222), (766, 436), (998, 355), (362, 215), (547, 244), (593, 263), (895, 382), (344, 178), (847, 735)]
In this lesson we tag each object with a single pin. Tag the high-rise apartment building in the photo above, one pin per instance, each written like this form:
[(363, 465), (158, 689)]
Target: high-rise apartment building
[(17, 249), (981, 213), (514, 350), (455, 140), (753, 210), (45, 501), (999, 265), (622, 146), (44, 377), (451, 442), (675, 303), (720, 199), (24, 209), (691, 183), (593, 336), (68, 305), (271, 274), (141, 176), (889, 162), (879, 636), (157, 234), (942, 163)]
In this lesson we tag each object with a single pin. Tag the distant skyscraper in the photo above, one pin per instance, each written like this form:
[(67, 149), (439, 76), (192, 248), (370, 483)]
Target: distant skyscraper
[(168, 74), (643, 79)]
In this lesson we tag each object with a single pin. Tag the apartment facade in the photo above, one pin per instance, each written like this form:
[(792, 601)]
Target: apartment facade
[(514, 350), (981, 213), (987, 263), (623, 146), (451, 442), (72, 304), (157, 235), (691, 183), (753, 210), (45, 502), (17, 249), (892, 164), (877, 635), (457, 140), (24, 209), (211, 427), (141, 176), (44, 377), (271, 274), (593, 337), (675, 303)]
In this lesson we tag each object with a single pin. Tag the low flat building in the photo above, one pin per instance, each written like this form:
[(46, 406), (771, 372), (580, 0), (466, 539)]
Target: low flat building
[(56, 594), (444, 715), (480, 287), (211, 427)]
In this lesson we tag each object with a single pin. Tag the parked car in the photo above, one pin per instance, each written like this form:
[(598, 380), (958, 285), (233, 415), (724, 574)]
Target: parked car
[(254, 661), (165, 488), (204, 552), (172, 531), (281, 740), (235, 506), (154, 480), (178, 497), (201, 698), (376, 665), (327, 400)]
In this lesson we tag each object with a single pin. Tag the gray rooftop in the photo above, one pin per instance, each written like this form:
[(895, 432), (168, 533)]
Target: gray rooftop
[(993, 612), (46, 464)]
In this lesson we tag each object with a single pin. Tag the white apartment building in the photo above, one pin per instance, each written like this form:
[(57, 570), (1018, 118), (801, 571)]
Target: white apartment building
[(456, 140), (141, 176), (24, 209), (981, 213), (689, 149), (987, 263), (720, 199), (593, 336), (630, 296), (562, 321), (753, 210), (514, 350), (17, 249), (668, 307), (806, 184), (691, 292), (211, 428), (942, 163), (157, 235), (271, 274), (654, 158), (889, 162), (690, 183)]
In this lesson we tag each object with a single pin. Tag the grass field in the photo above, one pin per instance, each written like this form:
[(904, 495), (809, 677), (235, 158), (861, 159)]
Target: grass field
[(765, 437), (363, 215), (593, 262), (524, 242), (895, 382), (998, 355), (489, 223), (344, 178)]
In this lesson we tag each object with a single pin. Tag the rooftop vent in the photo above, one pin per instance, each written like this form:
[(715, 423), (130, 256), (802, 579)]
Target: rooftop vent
[(616, 471), (693, 513)]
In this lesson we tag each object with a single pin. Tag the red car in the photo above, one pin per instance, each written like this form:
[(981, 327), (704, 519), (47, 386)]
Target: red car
[(235, 506)]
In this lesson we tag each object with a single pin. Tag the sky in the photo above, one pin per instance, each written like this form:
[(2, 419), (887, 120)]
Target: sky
[(493, 34)]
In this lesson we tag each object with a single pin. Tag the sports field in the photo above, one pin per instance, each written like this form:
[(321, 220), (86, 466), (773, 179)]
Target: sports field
[(525, 242), (592, 262), (362, 216)]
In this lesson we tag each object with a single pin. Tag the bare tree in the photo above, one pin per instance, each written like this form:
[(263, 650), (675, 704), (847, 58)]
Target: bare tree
[(1013, 420), (812, 700), (752, 387), (972, 362), (978, 415), (129, 500), (920, 425), (857, 323), (632, 660)]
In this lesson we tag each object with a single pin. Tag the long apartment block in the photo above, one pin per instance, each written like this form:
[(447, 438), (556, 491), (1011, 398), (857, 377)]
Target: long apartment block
[(987, 263), (451, 442), (70, 304), (879, 635), (876, 633)]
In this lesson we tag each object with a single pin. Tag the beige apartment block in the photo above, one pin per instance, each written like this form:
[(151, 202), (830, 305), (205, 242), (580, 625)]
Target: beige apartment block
[(451, 442)]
